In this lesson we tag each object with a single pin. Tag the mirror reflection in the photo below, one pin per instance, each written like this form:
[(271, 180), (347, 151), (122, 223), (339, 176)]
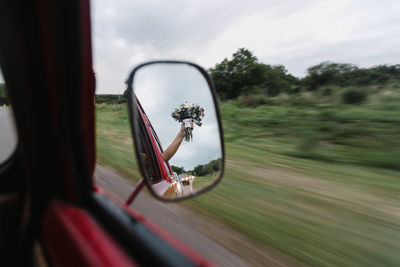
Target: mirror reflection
[(177, 130)]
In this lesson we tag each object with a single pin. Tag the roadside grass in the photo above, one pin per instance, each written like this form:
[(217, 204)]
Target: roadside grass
[(318, 213), (203, 181), (306, 177), (114, 143)]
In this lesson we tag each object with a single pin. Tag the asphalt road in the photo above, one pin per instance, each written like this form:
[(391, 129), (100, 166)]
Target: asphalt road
[(178, 221), (7, 133)]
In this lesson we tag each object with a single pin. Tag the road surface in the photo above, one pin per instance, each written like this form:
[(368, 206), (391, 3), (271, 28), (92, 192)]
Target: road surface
[(178, 221)]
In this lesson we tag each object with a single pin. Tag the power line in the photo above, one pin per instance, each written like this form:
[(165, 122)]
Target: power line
[(182, 32)]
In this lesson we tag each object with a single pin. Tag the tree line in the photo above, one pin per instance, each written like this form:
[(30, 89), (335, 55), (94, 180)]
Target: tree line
[(110, 99), (4, 100), (243, 74), (201, 169)]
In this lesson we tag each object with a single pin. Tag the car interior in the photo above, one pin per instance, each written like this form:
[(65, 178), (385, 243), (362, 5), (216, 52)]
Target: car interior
[(50, 211)]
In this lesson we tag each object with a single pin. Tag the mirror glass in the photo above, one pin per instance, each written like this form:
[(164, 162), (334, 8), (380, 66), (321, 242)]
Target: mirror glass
[(176, 129)]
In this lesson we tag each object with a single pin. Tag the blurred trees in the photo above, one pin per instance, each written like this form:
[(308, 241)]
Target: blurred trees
[(110, 99), (352, 96), (232, 76), (178, 170), (3, 95), (3, 92), (244, 75), (329, 73), (209, 168), (201, 170)]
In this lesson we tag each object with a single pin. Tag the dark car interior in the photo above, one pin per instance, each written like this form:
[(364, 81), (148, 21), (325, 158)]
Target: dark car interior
[(47, 195), (45, 58)]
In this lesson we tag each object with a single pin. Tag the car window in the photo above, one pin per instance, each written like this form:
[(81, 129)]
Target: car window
[(8, 136), (153, 133), (152, 165)]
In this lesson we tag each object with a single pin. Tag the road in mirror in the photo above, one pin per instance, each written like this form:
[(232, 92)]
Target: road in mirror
[(177, 132)]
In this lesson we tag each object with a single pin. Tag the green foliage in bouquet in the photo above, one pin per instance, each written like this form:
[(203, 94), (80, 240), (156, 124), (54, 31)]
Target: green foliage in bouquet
[(188, 113)]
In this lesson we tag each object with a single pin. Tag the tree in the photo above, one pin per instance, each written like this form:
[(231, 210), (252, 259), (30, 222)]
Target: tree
[(231, 76), (4, 100), (276, 80), (209, 168), (243, 74), (178, 170), (3, 90), (328, 73)]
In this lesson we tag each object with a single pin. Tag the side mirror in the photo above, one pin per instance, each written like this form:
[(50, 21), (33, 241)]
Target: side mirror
[(177, 129)]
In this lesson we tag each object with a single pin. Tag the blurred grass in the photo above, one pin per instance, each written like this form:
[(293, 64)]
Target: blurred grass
[(306, 176), (202, 181), (114, 143)]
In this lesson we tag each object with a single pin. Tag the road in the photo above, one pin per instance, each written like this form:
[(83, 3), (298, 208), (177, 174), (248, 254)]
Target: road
[(178, 221)]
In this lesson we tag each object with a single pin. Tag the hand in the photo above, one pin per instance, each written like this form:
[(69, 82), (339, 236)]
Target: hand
[(182, 131)]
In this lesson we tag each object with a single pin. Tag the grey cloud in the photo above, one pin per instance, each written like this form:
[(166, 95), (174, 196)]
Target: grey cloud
[(127, 32), (364, 52), (153, 22)]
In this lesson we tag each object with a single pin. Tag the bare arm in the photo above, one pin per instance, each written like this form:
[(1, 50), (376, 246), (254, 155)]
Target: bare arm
[(173, 147)]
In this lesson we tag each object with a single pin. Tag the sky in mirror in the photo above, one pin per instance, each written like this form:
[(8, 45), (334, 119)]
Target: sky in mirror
[(162, 87)]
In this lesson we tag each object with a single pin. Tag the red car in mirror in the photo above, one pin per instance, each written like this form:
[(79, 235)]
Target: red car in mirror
[(151, 150)]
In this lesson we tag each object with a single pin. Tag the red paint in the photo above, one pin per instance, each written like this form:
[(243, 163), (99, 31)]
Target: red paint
[(155, 145), (73, 238), (173, 241), (135, 192)]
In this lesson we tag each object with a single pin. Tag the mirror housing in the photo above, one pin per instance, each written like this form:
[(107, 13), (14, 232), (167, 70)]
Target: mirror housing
[(155, 89)]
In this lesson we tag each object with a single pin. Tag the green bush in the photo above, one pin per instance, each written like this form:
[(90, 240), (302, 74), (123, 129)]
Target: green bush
[(353, 96), (252, 100), (301, 101), (110, 99)]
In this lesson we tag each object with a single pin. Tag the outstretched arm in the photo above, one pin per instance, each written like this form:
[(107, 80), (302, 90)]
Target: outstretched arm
[(173, 147)]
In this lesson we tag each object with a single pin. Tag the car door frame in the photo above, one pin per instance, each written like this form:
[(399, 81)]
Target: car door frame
[(46, 60)]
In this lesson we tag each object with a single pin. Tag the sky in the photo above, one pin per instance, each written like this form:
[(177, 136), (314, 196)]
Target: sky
[(162, 88), (297, 33)]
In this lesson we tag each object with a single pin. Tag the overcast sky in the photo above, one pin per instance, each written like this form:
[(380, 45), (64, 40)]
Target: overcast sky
[(162, 88), (296, 33)]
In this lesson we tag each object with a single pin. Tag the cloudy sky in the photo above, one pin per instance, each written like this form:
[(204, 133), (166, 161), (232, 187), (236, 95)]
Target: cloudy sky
[(296, 33), (162, 88)]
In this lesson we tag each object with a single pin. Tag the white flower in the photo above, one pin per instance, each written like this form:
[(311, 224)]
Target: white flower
[(188, 105)]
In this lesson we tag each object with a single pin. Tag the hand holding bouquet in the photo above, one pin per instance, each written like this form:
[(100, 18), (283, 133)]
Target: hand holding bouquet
[(188, 113)]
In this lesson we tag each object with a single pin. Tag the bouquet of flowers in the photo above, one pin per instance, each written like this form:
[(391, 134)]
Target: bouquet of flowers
[(188, 113)]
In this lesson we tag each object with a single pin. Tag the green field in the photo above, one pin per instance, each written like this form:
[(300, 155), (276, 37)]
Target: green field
[(203, 181), (114, 143), (308, 179)]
